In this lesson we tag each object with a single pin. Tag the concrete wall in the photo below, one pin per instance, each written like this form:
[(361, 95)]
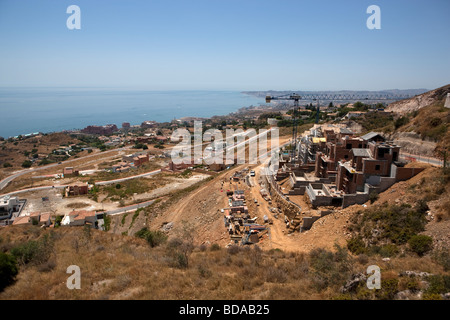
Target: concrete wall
[(289, 208), (297, 191), (354, 198), (308, 222), (385, 183), (318, 200)]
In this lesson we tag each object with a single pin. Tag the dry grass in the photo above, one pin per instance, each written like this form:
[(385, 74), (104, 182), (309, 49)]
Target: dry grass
[(14, 153), (77, 205), (124, 267)]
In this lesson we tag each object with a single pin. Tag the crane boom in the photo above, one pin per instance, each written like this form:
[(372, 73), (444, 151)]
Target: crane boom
[(340, 96), (328, 97)]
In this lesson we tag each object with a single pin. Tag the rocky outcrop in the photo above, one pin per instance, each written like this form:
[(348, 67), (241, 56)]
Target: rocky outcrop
[(411, 142), (419, 101), (353, 283)]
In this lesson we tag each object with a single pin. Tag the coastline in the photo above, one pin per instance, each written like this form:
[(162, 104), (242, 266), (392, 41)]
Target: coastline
[(49, 110)]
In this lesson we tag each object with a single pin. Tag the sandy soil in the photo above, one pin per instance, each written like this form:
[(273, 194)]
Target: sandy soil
[(57, 204)]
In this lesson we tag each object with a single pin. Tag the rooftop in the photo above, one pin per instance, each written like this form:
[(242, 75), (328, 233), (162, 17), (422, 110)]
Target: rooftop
[(21, 220), (360, 152), (370, 135)]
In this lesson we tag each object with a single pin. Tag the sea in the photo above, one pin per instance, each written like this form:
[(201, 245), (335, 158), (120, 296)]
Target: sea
[(29, 110)]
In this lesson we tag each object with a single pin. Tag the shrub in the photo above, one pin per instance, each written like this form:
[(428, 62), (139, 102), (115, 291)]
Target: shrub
[(421, 206), (329, 269), (33, 252), (107, 222), (154, 238), (389, 288), (8, 270), (214, 247), (47, 266), (420, 244), (396, 223), (234, 249), (276, 275), (442, 257), (413, 285), (44, 162), (389, 250), (431, 296), (401, 122), (356, 246), (135, 215), (363, 259), (438, 284), (373, 196), (180, 248), (124, 217), (58, 220), (204, 272), (7, 165), (27, 164), (181, 261), (34, 221)]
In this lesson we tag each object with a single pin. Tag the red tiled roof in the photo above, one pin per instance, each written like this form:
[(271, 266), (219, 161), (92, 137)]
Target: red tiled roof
[(22, 220), (45, 217)]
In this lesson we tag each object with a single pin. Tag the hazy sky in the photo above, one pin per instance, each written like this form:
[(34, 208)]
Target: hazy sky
[(226, 44)]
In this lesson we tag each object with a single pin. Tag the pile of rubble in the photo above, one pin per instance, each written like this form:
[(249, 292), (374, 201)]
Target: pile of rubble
[(242, 228)]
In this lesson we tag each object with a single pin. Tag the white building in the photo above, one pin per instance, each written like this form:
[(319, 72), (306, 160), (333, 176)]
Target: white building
[(79, 218), (7, 206)]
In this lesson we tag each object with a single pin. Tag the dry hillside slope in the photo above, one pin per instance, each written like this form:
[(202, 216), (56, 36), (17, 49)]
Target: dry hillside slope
[(419, 101)]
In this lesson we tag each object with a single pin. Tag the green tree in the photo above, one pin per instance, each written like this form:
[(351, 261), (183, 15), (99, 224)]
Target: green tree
[(8, 270), (420, 244)]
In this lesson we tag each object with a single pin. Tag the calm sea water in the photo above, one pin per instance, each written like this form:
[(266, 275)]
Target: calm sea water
[(28, 110)]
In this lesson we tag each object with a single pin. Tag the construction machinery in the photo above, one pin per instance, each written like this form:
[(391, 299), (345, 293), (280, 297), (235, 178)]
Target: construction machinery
[(328, 97)]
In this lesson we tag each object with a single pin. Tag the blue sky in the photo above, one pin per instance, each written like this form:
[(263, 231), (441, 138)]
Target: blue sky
[(225, 44)]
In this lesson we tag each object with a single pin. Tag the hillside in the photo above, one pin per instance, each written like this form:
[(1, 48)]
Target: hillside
[(419, 101), (423, 124), (13, 152), (179, 264), (420, 125)]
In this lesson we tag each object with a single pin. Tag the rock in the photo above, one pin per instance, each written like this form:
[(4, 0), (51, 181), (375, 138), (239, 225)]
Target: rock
[(386, 259), (414, 274), (167, 226), (403, 295), (408, 295), (352, 284)]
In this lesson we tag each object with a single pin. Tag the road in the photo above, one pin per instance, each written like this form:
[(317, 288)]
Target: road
[(130, 208), (419, 158), (4, 182), (7, 180), (101, 183), (33, 189), (151, 173)]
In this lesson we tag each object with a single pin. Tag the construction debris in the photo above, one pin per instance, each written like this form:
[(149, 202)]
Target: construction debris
[(241, 227)]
